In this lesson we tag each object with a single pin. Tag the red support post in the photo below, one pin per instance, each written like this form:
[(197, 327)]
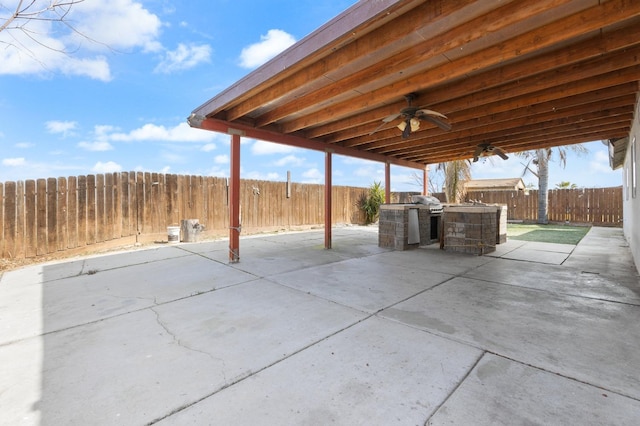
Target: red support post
[(327, 200), (387, 182), (425, 181), (234, 201)]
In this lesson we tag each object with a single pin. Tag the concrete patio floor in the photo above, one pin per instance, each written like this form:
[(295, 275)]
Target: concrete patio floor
[(295, 334)]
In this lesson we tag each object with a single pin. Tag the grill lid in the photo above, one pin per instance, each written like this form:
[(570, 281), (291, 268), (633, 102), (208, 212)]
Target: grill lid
[(433, 203)]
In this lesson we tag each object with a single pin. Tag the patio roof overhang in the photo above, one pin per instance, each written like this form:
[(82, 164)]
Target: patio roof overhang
[(515, 75), (518, 75)]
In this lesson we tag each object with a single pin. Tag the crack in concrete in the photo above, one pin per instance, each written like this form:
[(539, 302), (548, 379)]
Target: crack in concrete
[(180, 343)]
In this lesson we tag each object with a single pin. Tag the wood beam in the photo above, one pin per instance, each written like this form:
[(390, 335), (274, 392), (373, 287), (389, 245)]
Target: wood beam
[(222, 126), (544, 37), (627, 77), (529, 141), (537, 131), (539, 143), (455, 96), (392, 37), (340, 31), (544, 122), (437, 44)]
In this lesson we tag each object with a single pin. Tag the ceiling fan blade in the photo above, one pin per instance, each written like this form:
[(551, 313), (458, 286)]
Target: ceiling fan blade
[(385, 120), (430, 112), (478, 152), (437, 121), (501, 153)]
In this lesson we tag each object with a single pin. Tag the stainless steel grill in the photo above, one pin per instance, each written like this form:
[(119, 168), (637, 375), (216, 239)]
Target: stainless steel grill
[(435, 207)]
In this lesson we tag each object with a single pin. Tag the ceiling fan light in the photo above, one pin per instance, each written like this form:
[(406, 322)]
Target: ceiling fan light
[(402, 126), (415, 124)]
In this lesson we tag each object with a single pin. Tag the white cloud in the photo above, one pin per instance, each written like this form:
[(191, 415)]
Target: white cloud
[(600, 163), (183, 58), (119, 24), (153, 132), (313, 176), (274, 42), (261, 176), (96, 146), (209, 147), (24, 145), (221, 159), (108, 167), (22, 55), (267, 148), (290, 160), (64, 127), (220, 172), (48, 47), (14, 162), (368, 171)]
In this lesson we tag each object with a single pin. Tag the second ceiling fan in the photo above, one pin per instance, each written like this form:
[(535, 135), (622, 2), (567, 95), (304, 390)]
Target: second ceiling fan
[(411, 117)]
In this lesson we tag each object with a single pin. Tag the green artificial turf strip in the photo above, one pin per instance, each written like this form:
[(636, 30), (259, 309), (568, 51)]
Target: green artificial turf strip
[(559, 234)]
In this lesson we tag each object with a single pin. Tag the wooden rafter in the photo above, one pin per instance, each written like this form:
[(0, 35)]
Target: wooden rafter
[(522, 74)]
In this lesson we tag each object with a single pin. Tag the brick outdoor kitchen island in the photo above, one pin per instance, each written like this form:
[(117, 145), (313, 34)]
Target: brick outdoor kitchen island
[(463, 228)]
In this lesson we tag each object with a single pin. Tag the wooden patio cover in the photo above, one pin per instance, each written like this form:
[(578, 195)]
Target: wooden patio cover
[(518, 75)]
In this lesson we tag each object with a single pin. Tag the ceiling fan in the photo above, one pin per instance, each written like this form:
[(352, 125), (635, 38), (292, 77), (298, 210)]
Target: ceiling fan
[(486, 149), (411, 117)]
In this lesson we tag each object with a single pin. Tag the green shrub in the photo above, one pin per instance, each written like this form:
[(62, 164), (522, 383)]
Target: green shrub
[(370, 203)]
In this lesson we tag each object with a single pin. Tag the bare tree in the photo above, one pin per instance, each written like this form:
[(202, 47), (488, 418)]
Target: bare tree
[(27, 12)]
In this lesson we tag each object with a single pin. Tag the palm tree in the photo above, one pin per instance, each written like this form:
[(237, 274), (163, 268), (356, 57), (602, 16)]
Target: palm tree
[(455, 174), (540, 158), (566, 185)]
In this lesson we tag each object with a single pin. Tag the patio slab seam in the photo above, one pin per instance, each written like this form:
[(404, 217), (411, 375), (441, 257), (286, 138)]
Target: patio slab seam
[(99, 320), (555, 373), (252, 373), (455, 389), (558, 293)]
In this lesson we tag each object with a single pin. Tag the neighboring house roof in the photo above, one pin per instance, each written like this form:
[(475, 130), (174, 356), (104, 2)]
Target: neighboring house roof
[(509, 184)]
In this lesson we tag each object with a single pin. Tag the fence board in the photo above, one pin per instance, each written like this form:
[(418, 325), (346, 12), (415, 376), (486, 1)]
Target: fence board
[(31, 222), (52, 214), (133, 205), (83, 210), (173, 209), (92, 215), (41, 216), (117, 206), (62, 229), (101, 218), (8, 232), (72, 211), (109, 208), (31, 230), (598, 206), (140, 228), (20, 228)]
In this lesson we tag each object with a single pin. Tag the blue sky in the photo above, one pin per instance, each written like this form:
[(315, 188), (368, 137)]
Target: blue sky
[(120, 102)]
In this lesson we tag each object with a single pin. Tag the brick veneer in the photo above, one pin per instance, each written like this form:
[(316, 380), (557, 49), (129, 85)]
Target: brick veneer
[(393, 226), (470, 229)]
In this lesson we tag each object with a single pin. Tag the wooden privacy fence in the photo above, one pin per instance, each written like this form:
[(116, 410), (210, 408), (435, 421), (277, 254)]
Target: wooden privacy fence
[(45, 216), (595, 206)]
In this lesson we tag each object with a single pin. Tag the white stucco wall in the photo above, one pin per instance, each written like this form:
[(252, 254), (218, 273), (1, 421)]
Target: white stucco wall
[(631, 204)]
